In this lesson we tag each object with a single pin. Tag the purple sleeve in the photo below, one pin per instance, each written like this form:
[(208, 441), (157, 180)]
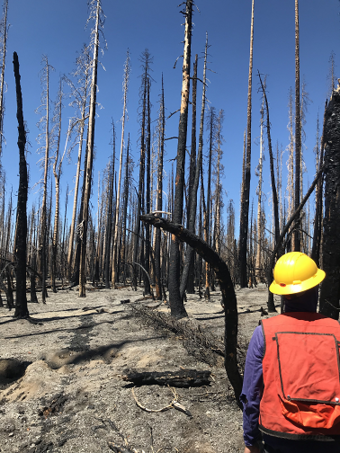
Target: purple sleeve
[(252, 388)]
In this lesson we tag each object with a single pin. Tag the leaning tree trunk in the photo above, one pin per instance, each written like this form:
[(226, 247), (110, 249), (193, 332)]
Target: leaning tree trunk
[(329, 302), (227, 289), (21, 310)]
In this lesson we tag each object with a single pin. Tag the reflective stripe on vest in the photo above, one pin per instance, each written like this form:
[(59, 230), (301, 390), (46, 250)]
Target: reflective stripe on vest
[(301, 375)]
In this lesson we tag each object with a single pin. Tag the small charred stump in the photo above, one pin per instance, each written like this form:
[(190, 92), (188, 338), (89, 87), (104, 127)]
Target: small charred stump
[(182, 378)]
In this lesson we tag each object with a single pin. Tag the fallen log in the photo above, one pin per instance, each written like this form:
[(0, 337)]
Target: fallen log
[(183, 378)]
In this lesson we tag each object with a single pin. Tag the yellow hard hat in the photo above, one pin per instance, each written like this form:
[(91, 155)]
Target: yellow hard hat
[(295, 272)]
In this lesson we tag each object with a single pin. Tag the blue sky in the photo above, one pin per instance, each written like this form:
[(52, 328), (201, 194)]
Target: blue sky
[(57, 29)]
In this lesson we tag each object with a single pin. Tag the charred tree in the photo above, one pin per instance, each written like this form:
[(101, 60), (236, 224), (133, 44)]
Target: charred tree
[(190, 288), (108, 230), (146, 60), (317, 234), (21, 310), (271, 306), (4, 33), (148, 191), (127, 181), (57, 165), (297, 130), (218, 173), (115, 239), (244, 214), (80, 97), (45, 124), (159, 197), (193, 193), (330, 290), (95, 14), (259, 169)]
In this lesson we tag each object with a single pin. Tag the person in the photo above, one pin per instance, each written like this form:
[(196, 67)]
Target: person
[(291, 388)]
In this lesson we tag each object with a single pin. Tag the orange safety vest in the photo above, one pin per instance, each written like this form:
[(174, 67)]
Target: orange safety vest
[(301, 375)]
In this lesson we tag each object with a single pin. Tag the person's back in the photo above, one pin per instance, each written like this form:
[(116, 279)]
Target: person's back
[(291, 384)]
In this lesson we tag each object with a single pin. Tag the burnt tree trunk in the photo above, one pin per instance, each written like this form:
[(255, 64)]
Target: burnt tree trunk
[(331, 246), (244, 209), (175, 298), (297, 198), (271, 306), (190, 287), (159, 199), (21, 310), (227, 289), (317, 234)]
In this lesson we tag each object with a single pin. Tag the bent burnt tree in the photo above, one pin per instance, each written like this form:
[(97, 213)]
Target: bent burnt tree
[(227, 289)]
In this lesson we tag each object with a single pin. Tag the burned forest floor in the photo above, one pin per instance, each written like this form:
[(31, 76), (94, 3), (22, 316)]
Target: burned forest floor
[(64, 375)]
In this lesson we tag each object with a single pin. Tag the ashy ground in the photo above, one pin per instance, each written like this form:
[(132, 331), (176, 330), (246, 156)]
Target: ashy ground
[(71, 396)]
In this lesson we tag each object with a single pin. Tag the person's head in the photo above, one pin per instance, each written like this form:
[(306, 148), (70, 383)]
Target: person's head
[(296, 278)]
